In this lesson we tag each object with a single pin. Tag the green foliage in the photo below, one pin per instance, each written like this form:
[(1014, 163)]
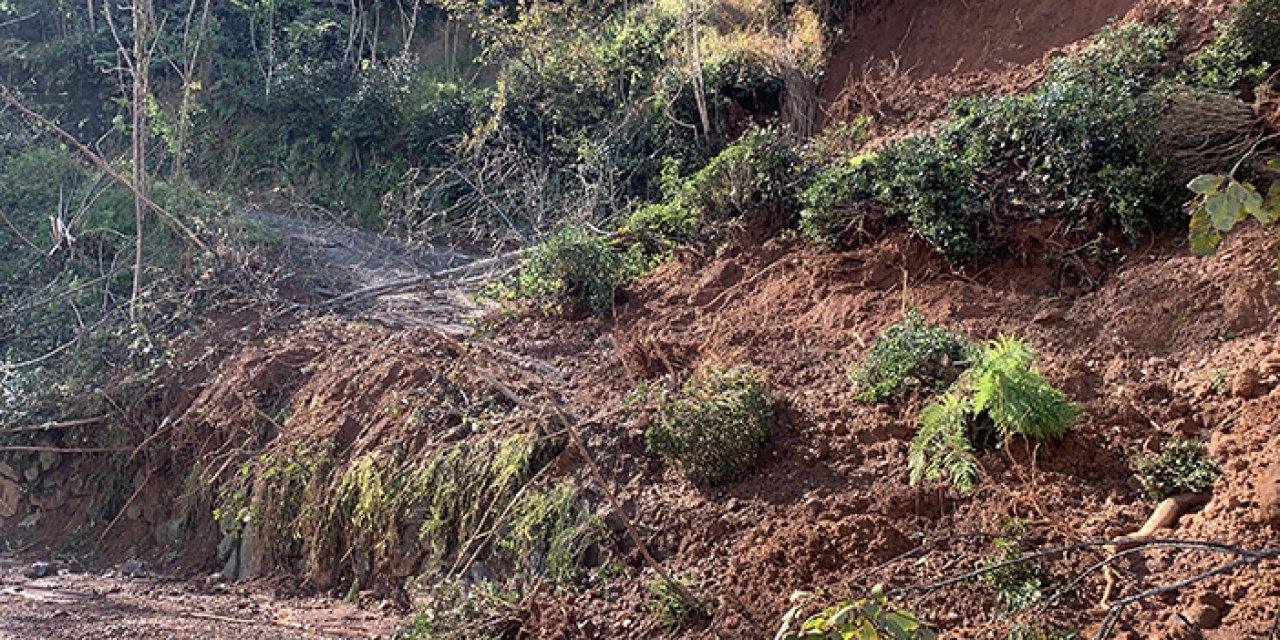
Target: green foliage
[(577, 264), (838, 199), (1246, 50), (550, 532), (1222, 202), (1034, 632), (759, 171), (911, 355), (669, 607), (1018, 585), (1003, 388), (1006, 387), (714, 427), (942, 447), (869, 619), (1075, 147), (1181, 466)]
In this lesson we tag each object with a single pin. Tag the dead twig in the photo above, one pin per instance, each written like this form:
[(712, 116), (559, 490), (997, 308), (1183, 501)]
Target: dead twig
[(53, 426)]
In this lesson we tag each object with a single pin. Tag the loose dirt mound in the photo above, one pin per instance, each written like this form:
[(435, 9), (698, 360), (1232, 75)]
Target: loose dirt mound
[(1141, 353)]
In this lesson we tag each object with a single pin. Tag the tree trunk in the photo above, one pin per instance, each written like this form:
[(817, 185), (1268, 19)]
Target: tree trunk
[(141, 23)]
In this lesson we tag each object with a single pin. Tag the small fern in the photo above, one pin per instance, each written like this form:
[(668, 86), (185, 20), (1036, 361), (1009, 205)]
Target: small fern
[(1002, 387), (1018, 400), (942, 447)]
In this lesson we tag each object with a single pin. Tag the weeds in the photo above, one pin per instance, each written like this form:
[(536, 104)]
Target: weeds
[(869, 619), (1020, 585), (671, 610), (1181, 466)]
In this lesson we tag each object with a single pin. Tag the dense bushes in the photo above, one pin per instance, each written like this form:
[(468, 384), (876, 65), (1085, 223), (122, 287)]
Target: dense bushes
[(1246, 50), (1075, 149), (714, 426)]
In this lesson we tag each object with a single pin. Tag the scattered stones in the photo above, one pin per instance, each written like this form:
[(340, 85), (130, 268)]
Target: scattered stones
[(131, 569)]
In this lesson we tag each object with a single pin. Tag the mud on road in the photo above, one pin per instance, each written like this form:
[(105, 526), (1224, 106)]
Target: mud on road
[(77, 604)]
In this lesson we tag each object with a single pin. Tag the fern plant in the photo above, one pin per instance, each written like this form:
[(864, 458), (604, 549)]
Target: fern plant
[(1002, 388), (942, 448)]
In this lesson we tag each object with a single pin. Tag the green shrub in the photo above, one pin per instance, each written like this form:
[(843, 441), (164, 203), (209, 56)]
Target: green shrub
[(1181, 466), (869, 619), (715, 427), (759, 171), (577, 264), (910, 355), (1035, 632), (839, 199), (1018, 585), (1003, 388), (1246, 49), (669, 607), (1075, 148)]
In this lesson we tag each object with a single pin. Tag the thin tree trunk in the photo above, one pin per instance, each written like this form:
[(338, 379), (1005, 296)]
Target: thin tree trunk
[(141, 23), (693, 41)]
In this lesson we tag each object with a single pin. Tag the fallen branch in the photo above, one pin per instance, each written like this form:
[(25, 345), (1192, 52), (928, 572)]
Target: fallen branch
[(51, 426), (60, 450), (407, 284)]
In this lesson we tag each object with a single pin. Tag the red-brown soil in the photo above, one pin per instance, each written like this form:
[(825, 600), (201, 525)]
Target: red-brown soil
[(1157, 344), (832, 502)]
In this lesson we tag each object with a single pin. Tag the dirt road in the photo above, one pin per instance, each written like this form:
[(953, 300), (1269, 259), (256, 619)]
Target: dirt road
[(81, 605)]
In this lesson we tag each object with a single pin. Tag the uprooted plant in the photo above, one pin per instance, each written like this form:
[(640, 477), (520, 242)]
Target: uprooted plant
[(1001, 397)]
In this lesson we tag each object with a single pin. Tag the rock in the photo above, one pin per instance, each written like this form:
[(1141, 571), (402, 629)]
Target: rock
[(7, 472), (131, 569), (1268, 499), (31, 474), (1245, 383), (37, 570), (48, 459), (10, 498), (1046, 316), (1202, 616)]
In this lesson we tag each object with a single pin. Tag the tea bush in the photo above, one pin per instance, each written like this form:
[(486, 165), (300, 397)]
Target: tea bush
[(911, 355), (714, 427), (1075, 148), (574, 264), (1181, 466), (839, 199)]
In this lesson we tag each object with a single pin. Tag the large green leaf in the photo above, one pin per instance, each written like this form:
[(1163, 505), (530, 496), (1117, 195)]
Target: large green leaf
[(1225, 208), (1204, 238), (1270, 213), (1206, 184)]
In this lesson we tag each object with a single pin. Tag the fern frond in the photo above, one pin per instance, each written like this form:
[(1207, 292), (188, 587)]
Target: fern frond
[(941, 446)]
